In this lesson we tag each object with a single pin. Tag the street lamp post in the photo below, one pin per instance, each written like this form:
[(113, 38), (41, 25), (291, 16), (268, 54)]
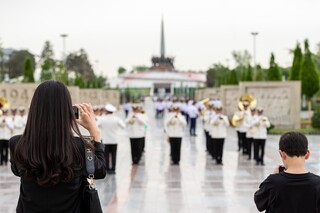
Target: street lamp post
[(64, 36), (254, 34)]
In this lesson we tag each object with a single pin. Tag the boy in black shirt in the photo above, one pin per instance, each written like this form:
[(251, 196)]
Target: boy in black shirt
[(294, 189)]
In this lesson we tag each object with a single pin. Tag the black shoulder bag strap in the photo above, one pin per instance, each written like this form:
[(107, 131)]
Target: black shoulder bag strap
[(90, 195)]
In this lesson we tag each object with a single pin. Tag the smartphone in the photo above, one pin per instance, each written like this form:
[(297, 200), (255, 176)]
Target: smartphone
[(282, 168), (76, 112)]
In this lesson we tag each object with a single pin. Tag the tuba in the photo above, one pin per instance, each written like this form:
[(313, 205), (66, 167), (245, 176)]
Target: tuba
[(206, 102), (252, 103)]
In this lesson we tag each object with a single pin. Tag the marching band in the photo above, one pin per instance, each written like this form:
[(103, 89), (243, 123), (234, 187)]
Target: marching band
[(248, 121)]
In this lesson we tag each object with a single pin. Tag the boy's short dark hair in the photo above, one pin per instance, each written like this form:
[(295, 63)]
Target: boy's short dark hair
[(294, 144)]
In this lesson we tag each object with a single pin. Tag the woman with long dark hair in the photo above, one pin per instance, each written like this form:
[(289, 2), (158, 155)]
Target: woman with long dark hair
[(49, 158)]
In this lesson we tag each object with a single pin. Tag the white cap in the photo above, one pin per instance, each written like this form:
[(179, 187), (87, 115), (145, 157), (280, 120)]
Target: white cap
[(218, 105), (259, 109), (110, 108)]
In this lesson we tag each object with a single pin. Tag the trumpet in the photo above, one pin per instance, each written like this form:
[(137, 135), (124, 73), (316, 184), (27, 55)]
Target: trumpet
[(132, 120), (173, 120)]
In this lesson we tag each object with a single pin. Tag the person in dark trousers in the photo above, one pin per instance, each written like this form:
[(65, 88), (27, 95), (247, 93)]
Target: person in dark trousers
[(291, 188), (175, 123), (136, 124), (6, 129), (193, 114), (110, 125), (49, 158), (219, 124), (260, 123)]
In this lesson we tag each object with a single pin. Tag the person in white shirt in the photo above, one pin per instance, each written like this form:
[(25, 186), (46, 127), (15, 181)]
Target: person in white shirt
[(145, 117), (250, 132), (206, 126), (219, 125), (193, 113), (160, 106), (136, 124), (6, 130), (175, 123), (260, 135), (242, 128), (126, 108), (20, 121), (110, 125)]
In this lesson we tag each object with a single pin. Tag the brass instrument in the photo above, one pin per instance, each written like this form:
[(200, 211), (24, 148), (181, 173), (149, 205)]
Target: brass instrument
[(252, 103), (249, 98), (206, 102), (4, 103), (173, 120), (132, 120)]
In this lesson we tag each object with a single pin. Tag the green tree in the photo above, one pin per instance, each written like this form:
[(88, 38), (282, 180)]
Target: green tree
[(243, 75), (16, 62), (296, 64), (28, 71), (79, 81), (47, 62), (121, 70), (259, 74), (249, 74), (62, 74), (308, 75), (79, 62), (141, 68), (47, 51), (273, 71), (233, 79), (217, 75), (46, 70)]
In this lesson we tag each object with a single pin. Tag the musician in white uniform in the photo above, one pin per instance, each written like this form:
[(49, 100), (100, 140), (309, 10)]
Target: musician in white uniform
[(219, 124), (175, 123), (243, 128), (20, 121), (110, 125), (6, 130), (260, 136), (250, 132), (136, 124)]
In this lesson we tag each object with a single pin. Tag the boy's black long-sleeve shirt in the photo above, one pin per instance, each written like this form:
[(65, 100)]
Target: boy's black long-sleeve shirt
[(292, 193)]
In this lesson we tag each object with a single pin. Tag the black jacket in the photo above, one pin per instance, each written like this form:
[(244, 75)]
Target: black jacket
[(63, 197)]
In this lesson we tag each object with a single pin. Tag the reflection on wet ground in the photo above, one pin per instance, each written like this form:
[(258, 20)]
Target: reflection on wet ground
[(197, 185)]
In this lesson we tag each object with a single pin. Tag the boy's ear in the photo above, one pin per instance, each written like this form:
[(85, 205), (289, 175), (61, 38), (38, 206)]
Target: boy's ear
[(283, 155), (307, 155)]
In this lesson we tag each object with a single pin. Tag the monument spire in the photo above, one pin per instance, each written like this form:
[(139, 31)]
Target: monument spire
[(162, 47)]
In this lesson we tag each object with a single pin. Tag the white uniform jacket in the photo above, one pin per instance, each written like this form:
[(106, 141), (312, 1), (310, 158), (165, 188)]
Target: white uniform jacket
[(20, 124), (110, 125), (219, 125), (136, 124), (251, 127), (208, 115), (261, 123), (6, 127), (175, 124), (242, 124)]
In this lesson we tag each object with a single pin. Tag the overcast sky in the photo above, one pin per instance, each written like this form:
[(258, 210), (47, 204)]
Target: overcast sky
[(126, 33)]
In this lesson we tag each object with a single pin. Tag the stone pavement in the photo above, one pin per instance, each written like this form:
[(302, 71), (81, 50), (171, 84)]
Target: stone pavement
[(197, 185)]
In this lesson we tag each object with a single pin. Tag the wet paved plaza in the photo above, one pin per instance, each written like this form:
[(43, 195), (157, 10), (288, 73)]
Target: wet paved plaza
[(196, 185)]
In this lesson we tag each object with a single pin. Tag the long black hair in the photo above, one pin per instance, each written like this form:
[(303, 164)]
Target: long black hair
[(47, 152)]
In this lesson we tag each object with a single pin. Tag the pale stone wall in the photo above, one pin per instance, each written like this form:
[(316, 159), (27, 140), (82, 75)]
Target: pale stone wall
[(281, 100), (21, 95)]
